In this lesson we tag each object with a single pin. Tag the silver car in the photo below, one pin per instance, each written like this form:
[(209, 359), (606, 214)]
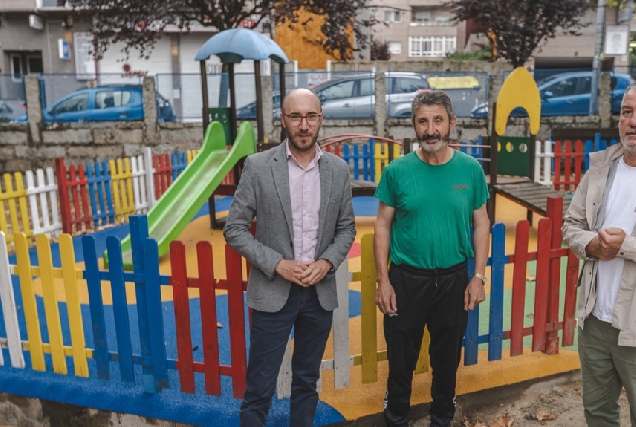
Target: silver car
[(354, 97)]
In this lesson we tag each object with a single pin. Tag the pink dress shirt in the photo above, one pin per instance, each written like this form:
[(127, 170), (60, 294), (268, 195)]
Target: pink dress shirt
[(304, 189)]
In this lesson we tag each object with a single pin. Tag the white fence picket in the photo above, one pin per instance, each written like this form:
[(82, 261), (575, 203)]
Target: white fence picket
[(139, 184), (42, 197), (9, 310), (150, 182), (342, 360), (543, 163)]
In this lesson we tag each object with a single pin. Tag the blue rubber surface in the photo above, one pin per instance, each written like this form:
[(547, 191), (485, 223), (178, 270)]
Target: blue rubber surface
[(114, 395)]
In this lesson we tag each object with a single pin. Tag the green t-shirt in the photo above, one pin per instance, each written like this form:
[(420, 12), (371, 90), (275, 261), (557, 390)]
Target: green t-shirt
[(434, 207)]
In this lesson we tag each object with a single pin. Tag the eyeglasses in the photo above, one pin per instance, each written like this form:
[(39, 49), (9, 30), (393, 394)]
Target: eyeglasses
[(296, 119)]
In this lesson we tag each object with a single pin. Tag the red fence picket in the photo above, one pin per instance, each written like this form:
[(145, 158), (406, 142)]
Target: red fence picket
[(568, 164), (517, 309), (207, 302), (569, 305), (179, 282), (236, 311), (72, 185), (555, 213), (333, 149), (542, 284), (163, 173)]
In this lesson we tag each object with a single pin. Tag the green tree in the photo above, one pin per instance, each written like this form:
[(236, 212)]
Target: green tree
[(380, 50), (139, 23), (515, 32)]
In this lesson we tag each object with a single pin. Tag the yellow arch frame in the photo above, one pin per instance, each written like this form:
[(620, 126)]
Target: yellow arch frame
[(519, 90)]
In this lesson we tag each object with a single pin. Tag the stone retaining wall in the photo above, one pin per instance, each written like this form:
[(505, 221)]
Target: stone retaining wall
[(36, 145)]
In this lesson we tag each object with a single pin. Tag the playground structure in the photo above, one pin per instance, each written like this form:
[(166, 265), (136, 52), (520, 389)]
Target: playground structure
[(174, 347), (181, 201), (87, 347)]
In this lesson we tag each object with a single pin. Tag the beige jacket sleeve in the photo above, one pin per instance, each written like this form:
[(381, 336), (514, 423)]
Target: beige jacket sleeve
[(577, 233)]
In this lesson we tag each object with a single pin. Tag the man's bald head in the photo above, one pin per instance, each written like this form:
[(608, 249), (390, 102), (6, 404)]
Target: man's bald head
[(300, 96)]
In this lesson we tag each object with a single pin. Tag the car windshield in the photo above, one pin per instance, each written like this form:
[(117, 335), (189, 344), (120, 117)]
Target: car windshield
[(545, 80), (73, 104)]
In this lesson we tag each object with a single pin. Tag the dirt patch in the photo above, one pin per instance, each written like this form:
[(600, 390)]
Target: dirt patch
[(530, 405)]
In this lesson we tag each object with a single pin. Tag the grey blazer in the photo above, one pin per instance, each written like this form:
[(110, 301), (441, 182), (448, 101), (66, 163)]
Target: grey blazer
[(263, 192)]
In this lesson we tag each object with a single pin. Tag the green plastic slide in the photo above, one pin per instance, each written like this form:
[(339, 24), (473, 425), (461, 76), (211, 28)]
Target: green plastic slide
[(193, 187)]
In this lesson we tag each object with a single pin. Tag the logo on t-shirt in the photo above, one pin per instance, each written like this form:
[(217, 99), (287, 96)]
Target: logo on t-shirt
[(460, 187)]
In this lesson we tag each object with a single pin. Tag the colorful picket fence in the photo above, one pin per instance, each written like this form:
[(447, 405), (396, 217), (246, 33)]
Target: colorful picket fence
[(366, 159), (147, 280), (76, 199), (92, 195)]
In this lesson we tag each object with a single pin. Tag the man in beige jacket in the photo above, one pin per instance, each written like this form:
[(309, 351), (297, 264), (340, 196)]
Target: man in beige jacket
[(599, 228)]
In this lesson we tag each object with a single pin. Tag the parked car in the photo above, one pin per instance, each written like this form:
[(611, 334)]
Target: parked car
[(11, 109), (248, 111), (354, 96), (103, 104), (567, 94)]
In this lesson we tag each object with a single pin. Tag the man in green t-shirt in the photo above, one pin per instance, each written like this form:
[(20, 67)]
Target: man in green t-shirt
[(429, 200)]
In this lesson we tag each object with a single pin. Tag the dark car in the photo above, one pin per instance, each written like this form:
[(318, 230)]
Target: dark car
[(354, 96), (248, 111), (11, 109), (567, 94), (103, 104)]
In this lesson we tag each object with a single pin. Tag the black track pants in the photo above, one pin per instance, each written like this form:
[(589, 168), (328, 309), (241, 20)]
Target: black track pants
[(434, 298)]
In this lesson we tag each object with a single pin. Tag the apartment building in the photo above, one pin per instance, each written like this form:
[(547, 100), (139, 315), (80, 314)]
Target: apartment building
[(416, 29)]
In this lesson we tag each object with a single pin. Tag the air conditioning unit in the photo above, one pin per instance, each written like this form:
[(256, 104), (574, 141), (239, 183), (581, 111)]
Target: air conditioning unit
[(36, 22)]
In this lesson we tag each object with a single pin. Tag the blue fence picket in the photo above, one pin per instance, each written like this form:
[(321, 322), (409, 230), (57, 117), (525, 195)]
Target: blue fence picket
[(138, 234), (367, 160), (155, 313), (99, 189), (372, 159), (346, 156), (355, 158), (597, 144), (498, 261), (179, 162), (120, 309), (96, 305)]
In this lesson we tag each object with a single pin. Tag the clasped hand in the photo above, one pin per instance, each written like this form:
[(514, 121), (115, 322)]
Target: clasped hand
[(303, 273), (607, 243)]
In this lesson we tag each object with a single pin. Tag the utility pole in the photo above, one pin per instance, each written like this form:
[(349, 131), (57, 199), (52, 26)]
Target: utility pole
[(598, 55)]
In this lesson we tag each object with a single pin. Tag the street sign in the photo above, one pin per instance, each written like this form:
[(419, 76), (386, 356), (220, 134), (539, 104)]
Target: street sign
[(64, 49)]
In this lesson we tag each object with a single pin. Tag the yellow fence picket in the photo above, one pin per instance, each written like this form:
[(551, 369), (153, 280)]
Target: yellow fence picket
[(23, 269), (16, 199), (122, 188), (50, 303), (190, 155), (369, 312), (381, 157), (69, 273)]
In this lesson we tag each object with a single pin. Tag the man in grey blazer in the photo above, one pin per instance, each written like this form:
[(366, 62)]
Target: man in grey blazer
[(305, 227)]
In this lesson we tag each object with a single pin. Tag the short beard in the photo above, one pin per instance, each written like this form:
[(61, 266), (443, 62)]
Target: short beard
[(630, 148), (300, 149), (425, 147)]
